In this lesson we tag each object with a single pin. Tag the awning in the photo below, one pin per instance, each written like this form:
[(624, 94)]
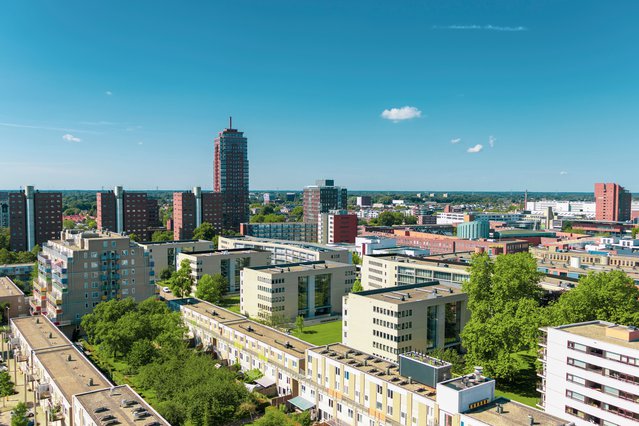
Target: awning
[(265, 382), (301, 403)]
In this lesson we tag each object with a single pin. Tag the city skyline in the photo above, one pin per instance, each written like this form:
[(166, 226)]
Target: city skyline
[(407, 97)]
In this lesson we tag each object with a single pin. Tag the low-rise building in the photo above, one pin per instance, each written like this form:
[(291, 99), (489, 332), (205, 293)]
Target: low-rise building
[(13, 297), (366, 245), (474, 230), (228, 263), (288, 251), (165, 253), (85, 268), (66, 384), (391, 321), (285, 291), (590, 373), (17, 271), (336, 226), (289, 231)]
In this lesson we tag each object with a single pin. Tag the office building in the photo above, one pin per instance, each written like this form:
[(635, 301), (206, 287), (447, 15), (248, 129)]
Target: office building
[(32, 217), (366, 245), (473, 230), (364, 201), (390, 270), (336, 226), (66, 385), (391, 321), (228, 263), (590, 373), (85, 268), (323, 197), (309, 289), (288, 251), (164, 253), (191, 209), (291, 231), (124, 212), (613, 202), (231, 176), (12, 298)]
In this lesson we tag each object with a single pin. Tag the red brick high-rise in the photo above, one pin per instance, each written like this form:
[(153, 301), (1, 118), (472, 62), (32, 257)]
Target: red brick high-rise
[(323, 197), (231, 176), (125, 212), (191, 209), (34, 218), (613, 202)]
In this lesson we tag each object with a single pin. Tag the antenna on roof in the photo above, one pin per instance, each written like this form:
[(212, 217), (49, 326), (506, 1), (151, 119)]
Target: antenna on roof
[(230, 122)]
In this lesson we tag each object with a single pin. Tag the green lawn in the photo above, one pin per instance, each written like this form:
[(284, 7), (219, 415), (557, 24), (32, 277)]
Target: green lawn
[(321, 334), (523, 389), (232, 303)]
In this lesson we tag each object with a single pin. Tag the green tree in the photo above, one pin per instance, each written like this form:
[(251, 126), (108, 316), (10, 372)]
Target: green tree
[(162, 236), (142, 352), (211, 288), (4, 238), (274, 417), (19, 415), (503, 300), (6, 386), (68, 224), (181, 282), (92, 224), (410, 220), (634, 232), (166, 273), (452, 356), (134, 237), (357, 286), (299, 323), (607, 296), (357, 260), (297, 214), (204, 232)]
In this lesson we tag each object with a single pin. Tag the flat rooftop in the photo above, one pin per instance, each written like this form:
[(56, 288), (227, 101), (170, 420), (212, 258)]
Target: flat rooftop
[(172, 242), (413, 292), (298, 244), (444, 260), (210, 310), (596, 330), (8, 288), (374, 366), (36, 331), (109, 402), (222, 252), (282, 341), (299, 267), (513, 413), (71, 371)]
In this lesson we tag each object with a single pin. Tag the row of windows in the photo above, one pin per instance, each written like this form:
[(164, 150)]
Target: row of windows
[(603, 354), (270, 289)]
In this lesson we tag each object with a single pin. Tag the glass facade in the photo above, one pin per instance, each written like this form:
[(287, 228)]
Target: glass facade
[(431, 327), (452, 328), (302, 296), (322, 294)]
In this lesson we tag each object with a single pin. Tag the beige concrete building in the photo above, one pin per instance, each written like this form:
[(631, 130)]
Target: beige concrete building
[(66, 384), (229, 263), (11, 294), (85, 268), (285, 291), (391, 270), (164, 253), (416, 317), (288, 251)]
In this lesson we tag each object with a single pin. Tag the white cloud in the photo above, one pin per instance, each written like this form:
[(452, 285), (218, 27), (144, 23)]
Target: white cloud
[(108, 93), (563, 172), (70, 138), (480, 27), (455, 141), (491, 141), (403, 113), (475, 148)]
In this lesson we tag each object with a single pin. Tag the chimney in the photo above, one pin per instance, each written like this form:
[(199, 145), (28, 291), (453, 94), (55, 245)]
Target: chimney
[(531, 420), (69, 357), (91, 381), (410, 380), (500, 409)]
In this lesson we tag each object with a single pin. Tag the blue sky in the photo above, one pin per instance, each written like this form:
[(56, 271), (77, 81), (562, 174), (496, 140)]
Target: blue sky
[(96, 94)]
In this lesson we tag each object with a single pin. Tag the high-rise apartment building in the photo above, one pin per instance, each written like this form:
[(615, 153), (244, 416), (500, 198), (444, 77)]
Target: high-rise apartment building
[(191, 209), (590, 373), (336, 226), (231, 176), (613, 202), (323, 197), (85, 268), (126, 212), (33, 217)]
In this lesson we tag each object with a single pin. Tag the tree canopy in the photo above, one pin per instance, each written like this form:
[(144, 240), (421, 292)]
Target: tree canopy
[(162, 236), (204, 232), (181, 282), (503, 298), (211, 288)]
